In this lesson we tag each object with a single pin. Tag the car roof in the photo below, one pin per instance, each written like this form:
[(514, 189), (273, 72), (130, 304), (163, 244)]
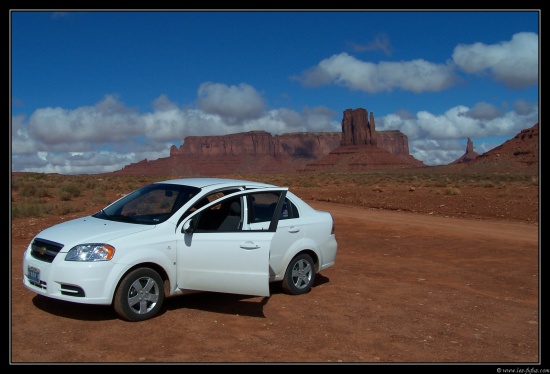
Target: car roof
[(217, 182)]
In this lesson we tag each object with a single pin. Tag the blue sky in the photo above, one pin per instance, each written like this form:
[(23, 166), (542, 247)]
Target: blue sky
[(94, 91)]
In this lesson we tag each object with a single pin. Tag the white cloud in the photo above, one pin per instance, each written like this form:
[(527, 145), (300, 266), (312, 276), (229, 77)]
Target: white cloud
[(36, 146), (381, 42), (523, 107), (163, 103), (434, 138), (415, 76), (108, 136), (514, 63), (108, 121), (235, 103), (483, 111)]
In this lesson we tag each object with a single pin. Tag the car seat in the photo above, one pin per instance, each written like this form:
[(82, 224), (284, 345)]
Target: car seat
[(233, 219)]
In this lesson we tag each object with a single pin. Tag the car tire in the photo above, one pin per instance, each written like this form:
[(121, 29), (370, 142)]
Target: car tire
[(299, 275), (139, 295)]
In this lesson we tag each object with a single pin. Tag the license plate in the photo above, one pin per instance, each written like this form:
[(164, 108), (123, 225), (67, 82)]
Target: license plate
[(33, 274)]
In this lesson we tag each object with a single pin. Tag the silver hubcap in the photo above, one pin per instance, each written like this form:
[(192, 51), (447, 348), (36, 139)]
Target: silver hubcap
[(301, 274), (143, 295)]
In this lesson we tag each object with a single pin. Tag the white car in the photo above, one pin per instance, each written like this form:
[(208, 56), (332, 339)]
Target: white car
[(181, 236)]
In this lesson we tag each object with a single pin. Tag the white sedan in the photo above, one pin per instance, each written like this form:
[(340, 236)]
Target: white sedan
[(181, 236)]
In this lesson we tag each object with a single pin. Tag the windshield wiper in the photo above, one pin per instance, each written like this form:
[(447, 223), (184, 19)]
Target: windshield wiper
[(120, 218), (101, 213)]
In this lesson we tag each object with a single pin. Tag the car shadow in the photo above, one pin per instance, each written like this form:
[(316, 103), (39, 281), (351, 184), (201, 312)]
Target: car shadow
[(215, 302), (234, 304), (81, 312)]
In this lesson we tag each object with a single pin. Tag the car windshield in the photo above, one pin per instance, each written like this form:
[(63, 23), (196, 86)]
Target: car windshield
[(149, 205)]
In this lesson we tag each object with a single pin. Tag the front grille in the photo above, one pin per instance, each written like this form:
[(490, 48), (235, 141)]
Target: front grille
[(45, 250)]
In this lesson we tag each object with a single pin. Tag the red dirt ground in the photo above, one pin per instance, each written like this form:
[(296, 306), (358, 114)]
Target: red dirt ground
[(418, 279)]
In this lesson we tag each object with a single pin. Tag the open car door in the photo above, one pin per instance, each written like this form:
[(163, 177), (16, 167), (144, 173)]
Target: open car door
[(218, 251)]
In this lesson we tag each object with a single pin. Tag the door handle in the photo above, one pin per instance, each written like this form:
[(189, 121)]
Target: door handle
[(249, 245)]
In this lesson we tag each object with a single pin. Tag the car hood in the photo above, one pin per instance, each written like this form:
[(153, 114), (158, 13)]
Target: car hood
[(89, 230)]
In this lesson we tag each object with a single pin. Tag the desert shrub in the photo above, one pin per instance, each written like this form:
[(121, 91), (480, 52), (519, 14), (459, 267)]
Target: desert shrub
[(443, 181), (128, 185), (15, 184), (100, 189), (309, 184), (67, 191), (38, 194), (276, 181), (30, 209), (487, 184), (28, 191), (502, 184), (35, 176), (32, 190), (410, 178), (93, 184), (99, 200), (452, 191), (64, 208), (502, 193)]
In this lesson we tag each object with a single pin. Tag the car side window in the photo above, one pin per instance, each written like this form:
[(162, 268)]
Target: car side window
[(252, 211), (262, 206), (289, 210), (223, 217), (205, 200)]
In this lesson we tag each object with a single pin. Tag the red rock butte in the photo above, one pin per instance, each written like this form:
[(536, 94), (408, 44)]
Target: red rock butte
[(362, 148), (470, 154), (357, 148), (519, 154)]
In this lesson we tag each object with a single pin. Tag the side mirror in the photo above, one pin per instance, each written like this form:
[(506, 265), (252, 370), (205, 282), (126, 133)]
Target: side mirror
[(188, 227)]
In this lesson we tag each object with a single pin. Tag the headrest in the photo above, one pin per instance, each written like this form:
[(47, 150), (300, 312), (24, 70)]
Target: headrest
[(235, 208)]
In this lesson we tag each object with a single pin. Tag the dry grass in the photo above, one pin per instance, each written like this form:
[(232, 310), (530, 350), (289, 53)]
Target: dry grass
[(38, 195)]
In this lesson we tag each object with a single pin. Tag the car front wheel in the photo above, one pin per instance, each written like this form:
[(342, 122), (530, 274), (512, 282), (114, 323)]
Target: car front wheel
[(140, 295), (300, 275)]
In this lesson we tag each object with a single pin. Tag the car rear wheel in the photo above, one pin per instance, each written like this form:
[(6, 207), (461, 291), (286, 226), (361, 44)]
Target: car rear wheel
[(299, 276), (140, 295)]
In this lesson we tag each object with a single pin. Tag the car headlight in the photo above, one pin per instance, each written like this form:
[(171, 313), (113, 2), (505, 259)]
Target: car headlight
[(91, 252)]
